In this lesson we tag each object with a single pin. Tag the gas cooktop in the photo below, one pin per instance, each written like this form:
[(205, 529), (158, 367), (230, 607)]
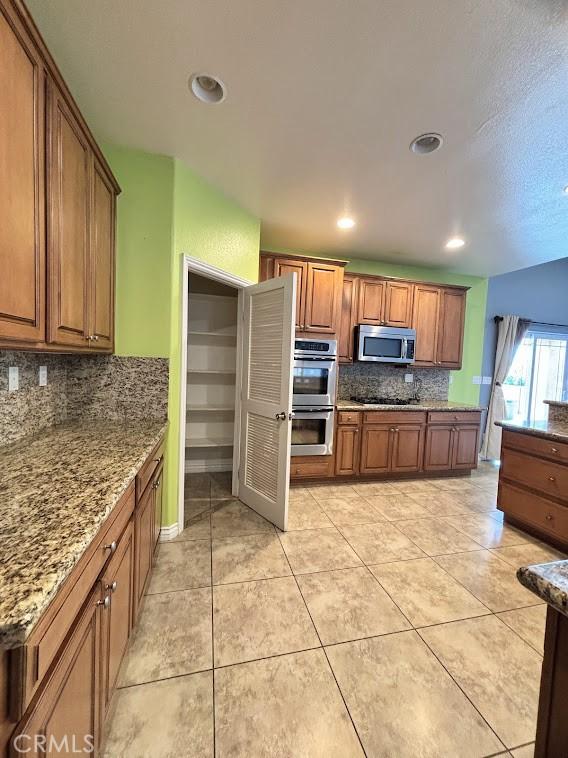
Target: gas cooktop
[(383, 401)]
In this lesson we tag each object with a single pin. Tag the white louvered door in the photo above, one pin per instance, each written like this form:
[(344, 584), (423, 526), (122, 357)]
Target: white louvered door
[(266, 404)]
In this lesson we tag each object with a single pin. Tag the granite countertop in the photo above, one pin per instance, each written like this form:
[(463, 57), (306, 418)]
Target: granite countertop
[(549, 581), (424, 405), (557, 403), (550, 429), (56, 489)]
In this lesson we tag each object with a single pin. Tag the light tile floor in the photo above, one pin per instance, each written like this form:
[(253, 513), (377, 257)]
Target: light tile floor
[(387, 621)]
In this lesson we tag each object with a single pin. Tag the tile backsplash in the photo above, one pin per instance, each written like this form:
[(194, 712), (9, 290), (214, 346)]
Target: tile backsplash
[(381, 380), (88, 387)]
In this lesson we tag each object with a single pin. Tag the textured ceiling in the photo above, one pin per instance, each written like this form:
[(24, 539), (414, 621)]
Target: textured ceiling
[(324, 97)]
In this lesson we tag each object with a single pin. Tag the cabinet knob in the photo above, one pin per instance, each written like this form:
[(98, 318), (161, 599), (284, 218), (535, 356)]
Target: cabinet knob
[(112, 587), (551, 478), (553, 449), (105, 602), (392, 429), (548, 517), (111, 547), (156, 484)]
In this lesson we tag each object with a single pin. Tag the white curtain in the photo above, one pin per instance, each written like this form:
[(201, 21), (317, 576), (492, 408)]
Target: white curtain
[(512, 329)]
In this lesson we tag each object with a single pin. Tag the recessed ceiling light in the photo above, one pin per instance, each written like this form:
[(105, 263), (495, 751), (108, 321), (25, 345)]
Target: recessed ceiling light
[(346, 222), (207, 88), (426, 143), (454, 243)]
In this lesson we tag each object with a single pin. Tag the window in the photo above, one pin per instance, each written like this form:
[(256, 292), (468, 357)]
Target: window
[(539, 372)]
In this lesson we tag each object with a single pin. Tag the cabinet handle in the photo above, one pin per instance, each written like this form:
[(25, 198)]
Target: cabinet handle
[(105, 602), (111, 547), (551, 478), (112, 587), (553, 449)]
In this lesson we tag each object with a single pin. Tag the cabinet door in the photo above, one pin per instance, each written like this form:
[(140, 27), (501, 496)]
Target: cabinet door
[(283, 266), (101, 269), (143, 544), (371, 302), (425, 317), (408, 447), (347, 450), (466, 446), (439, 446), (117, 616), (22, 190), (68, 707), (158, 486), (348, 319), (398, 304), (375, 449), (266, 267), (69, 176), (451, 325), (323, 292)]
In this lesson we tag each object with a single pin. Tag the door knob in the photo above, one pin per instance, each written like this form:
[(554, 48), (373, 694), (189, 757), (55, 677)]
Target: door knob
[(281, 416)]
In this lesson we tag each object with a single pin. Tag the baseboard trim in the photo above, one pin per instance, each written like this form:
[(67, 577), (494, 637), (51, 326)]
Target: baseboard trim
[(168, 533)]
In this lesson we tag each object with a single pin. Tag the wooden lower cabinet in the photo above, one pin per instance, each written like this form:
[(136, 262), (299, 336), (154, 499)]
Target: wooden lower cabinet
[(375, 449), (117, 616), (144, 542), (466, 446), (68, 708), (451, 447), (311, 466), (407, 448), (347, 444), (158, 487)]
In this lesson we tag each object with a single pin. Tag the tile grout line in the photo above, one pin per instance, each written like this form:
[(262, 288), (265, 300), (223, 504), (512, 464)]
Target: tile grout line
[(324, 652)]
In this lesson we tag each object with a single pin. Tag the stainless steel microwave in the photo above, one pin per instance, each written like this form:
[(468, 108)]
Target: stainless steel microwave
[(385, 344)]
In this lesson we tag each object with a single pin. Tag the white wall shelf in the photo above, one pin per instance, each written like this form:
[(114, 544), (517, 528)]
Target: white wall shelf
[(214, 335), (208, 442), (226, 372), (211, 408)]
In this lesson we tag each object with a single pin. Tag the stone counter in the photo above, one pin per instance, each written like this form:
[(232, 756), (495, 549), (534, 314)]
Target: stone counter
[(56, 490), (424, 405), (549, 581)]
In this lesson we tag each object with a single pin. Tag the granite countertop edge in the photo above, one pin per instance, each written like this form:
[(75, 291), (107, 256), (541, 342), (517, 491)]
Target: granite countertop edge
[(558, 432), (20, 614), (549, 581), (559, 403), (426, 405)]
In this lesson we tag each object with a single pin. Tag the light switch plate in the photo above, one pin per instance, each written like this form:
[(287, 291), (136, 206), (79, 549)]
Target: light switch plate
[(477, 379), (43, 376), (408, 378), (13, 378), (487, 380)]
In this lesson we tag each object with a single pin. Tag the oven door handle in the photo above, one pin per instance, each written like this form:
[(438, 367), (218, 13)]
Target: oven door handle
[(326, 359)]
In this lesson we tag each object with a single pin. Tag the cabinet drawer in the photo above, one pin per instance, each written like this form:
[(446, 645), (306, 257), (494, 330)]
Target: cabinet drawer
[(550, 478), (348, 417), (556, 451), (532, 509), (454, 417), (311, 466), (394, 417), (146, 473), (47, 637)]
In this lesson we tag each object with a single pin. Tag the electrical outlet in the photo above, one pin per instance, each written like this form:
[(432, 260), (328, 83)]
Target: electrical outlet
[(477, 379), (487, 380), (13, 378), (43, 376), (408, 378)]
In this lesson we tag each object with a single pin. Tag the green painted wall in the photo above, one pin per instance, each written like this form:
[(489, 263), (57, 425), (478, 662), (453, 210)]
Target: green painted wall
[(164, 211), (143, 251), (208, 226)]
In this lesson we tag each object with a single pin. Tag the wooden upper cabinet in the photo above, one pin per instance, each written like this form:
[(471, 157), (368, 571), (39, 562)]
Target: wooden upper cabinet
[(425, 318), (283, 266), (70, 165), (348, 319), (371, 302), (323, 292), (22, 192), (451, 327), (101, 272), (398, 304)]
